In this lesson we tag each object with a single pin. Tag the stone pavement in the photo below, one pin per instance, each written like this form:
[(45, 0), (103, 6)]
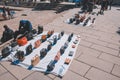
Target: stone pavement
[(98, 54)]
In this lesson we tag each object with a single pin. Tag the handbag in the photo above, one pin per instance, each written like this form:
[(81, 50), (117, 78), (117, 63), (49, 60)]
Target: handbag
[(20, 55), (37, 44), (22, 41), (43, 52), (43, 38), (40, 29), (29, 49), (35, 60), (5, 52)]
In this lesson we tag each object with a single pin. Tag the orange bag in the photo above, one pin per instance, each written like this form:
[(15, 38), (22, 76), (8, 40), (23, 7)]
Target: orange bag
[(37, 44), (22, 41)]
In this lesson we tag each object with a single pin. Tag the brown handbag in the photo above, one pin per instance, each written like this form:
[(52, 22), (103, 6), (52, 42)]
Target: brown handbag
[(43, 38), (35, 60), (37, 44)]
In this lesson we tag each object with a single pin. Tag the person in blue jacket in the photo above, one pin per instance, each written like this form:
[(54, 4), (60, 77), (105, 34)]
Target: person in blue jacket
[(24, 26)]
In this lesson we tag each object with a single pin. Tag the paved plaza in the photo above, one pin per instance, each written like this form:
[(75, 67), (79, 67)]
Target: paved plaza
[(97, 56)]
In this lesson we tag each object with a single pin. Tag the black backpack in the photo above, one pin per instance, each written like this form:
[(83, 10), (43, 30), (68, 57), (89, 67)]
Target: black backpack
[(29, 49), (6, 52), (40, 29)]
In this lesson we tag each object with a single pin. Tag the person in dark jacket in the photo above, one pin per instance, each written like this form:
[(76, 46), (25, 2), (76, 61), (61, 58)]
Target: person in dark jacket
[(24, 26), (7, 34), (110, 4)]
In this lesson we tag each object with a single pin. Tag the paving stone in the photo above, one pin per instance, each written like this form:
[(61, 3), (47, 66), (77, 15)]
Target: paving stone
[(105, 49), (110, 58), (95, 74), (90, 35), (2, 70), (78, 52), (71, 76), (37, 76), (7, 76), (17, 71), (79, 67), (86, 50), (113, 46), (93, 61), (85, 43), (116, 70), (96, 41)]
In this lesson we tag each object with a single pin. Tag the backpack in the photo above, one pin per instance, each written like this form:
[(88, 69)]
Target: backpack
[(40, 29), (43, 52), (29, 49), (6, 52)]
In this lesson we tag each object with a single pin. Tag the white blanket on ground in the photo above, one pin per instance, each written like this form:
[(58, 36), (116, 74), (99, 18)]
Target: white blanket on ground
[(60, 67)]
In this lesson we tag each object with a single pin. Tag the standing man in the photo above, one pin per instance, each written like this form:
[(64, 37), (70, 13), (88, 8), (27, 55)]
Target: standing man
[(110, 4)]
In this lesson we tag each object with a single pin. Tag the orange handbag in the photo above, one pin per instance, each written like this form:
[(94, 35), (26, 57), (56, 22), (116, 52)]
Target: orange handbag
[(22, 41), (37, 44)]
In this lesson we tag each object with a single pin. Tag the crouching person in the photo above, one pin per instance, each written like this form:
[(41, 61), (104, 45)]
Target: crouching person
[(25, 26), (7, 34)]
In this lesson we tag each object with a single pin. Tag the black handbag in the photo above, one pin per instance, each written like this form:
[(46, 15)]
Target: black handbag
[(40, 29), (62, 33), (29, 49), (54, 40), (49, 47), (62, 50), (20, 55), (29, 36), (5, 52), (43, 52), (50, 66)]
